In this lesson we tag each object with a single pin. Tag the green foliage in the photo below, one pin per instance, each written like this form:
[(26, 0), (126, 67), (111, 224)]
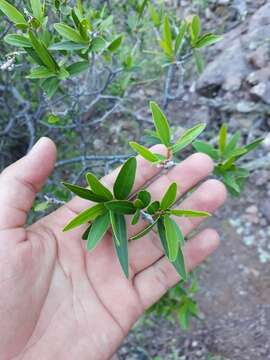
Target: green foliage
[(226, 155), (163, 136)]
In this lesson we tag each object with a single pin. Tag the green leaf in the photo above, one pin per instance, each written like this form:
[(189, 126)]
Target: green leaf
[(120, 239), (145, 231), (179, 263), (69, 33), (85, 193), (189, 213), (195, 28), (98, 44), (253, 145), (115, 44), (77, 68), (167, 35), (183, 316), (153, 207), (207, 39), (17, 40), (67, 46), (161, 124), (121, 206), (136, 217), (171, 237), (125, 180), (97, 187), (222, 141), (40, 72), (203, 147), (79, 25), (87, 215), (98, 229), (37, 9), (144, 152), (42, 206), (43, 53), (86, 233), (188, 137), (145, 197), (12, 13), (231, 146), (199, 61), (154, 15), (50, 86), (178, 232), (180, 37), (231, 182), (169, 198)]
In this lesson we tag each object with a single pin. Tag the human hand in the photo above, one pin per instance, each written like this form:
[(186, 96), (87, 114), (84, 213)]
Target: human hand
[(59, 301)]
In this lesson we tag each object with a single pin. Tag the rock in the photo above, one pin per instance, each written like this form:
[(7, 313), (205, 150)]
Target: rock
[(258, 76), (252, 218), (259, 58), (266, 142), (260, 177), (239, 52), (252, 209), (265, 209), (261, 91)]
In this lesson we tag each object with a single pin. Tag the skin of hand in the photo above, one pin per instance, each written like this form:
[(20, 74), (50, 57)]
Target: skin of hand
[(58, 301)]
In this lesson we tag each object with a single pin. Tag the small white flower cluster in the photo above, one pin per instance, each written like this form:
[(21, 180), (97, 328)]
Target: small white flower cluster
[(27, 14), (9, 64)]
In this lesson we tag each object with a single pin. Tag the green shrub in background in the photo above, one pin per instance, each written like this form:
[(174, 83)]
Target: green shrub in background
[(112, 44)]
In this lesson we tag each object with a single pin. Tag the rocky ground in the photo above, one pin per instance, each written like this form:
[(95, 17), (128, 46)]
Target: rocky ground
[(235, 283)]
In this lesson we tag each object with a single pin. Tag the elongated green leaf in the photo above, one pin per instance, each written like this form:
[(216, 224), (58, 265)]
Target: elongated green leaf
[(18, 40), (69, 33), (136, 217), (180, 37), (231, 182), (67, 46), (154, 15), (203, 147), (179, 263), (77, 68), (231, 146), (87, 215), (85, 193), (169, 198), (195, 28), (43, 53), (50, 86), (188, 137), (125, 180), (79, 25), (97, 187), (37, 9), (161, 124), (115, 44), (199, 61), (86, 233), (144, 152), (178, 233), (183, 316), (167, 35), (207, 39), (98, 229), (12, 13), (144, 231), (121, 206), (145, 197), (253, 145), (171, 238), (40, 72), (189, 213), (153, 207), (222, 141), (120, 239)]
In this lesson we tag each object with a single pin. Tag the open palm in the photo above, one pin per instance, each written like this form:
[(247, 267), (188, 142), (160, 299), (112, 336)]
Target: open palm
[(59, 302)]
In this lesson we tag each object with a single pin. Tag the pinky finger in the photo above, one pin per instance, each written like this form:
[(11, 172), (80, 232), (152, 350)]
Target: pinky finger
[(152, 283)]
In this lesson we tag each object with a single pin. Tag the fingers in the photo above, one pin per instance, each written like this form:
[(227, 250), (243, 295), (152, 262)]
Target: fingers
[(155, 281), (145, 171), (208, 197), (186, 174), (20, 182)]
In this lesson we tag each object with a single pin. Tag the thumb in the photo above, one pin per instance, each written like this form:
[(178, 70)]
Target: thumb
[(20, 182)]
